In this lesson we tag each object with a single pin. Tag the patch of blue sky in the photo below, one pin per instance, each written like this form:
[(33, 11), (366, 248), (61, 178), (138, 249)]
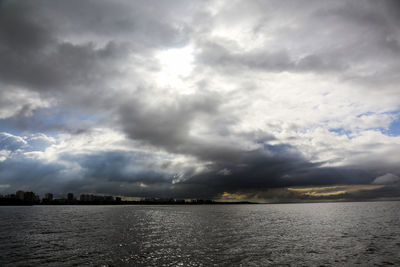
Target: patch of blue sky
[(394, 127), (279, 149), (365, 114), (341, 131), (4, 127), (392, 130), (89, 118)]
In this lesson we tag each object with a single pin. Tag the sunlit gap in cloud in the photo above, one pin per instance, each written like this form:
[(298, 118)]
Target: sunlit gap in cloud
[(176, 66)]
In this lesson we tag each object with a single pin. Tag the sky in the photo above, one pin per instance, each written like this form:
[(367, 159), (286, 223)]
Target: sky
[(228, 100)]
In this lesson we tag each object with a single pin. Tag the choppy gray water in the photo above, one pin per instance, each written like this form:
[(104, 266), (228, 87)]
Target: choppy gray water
[(220, 235)]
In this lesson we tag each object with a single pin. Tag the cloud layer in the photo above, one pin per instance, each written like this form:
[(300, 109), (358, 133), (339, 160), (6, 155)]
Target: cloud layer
[(200, 99)]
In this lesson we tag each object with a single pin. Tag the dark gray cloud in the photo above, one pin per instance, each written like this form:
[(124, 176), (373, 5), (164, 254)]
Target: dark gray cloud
[(254, 174), (37, 53), (169, 126), (30, 174), (273, 61), (272, 167), (321, 37)]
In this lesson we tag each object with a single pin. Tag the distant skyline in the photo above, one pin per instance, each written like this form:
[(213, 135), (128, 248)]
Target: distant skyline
[(224, 100)]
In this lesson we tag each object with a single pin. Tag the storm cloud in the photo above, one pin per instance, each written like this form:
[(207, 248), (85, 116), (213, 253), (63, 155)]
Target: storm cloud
[(201, 99)]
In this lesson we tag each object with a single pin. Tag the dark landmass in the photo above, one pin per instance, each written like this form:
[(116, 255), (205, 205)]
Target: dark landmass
[(21, 198)]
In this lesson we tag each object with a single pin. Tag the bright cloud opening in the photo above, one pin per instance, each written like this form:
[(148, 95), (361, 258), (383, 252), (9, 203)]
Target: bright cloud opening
[(176, 66)]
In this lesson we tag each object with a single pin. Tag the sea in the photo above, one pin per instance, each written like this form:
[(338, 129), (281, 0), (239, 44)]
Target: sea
[(312, 234)]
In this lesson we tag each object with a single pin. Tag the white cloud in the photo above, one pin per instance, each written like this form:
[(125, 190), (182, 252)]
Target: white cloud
[(387, 179), (15, 101), (4, 154)]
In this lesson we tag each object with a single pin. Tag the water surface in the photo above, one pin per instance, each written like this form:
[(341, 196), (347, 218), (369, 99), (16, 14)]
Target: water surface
[(205, 235)]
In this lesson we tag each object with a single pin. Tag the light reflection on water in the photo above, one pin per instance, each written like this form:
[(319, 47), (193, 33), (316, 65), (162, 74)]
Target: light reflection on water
[(222, 235)]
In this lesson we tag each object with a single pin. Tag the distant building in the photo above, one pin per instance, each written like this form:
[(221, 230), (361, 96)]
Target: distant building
[(30, 197), (108, 198), (48, 197), (86, 198), (70, 197), (20, 195)]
